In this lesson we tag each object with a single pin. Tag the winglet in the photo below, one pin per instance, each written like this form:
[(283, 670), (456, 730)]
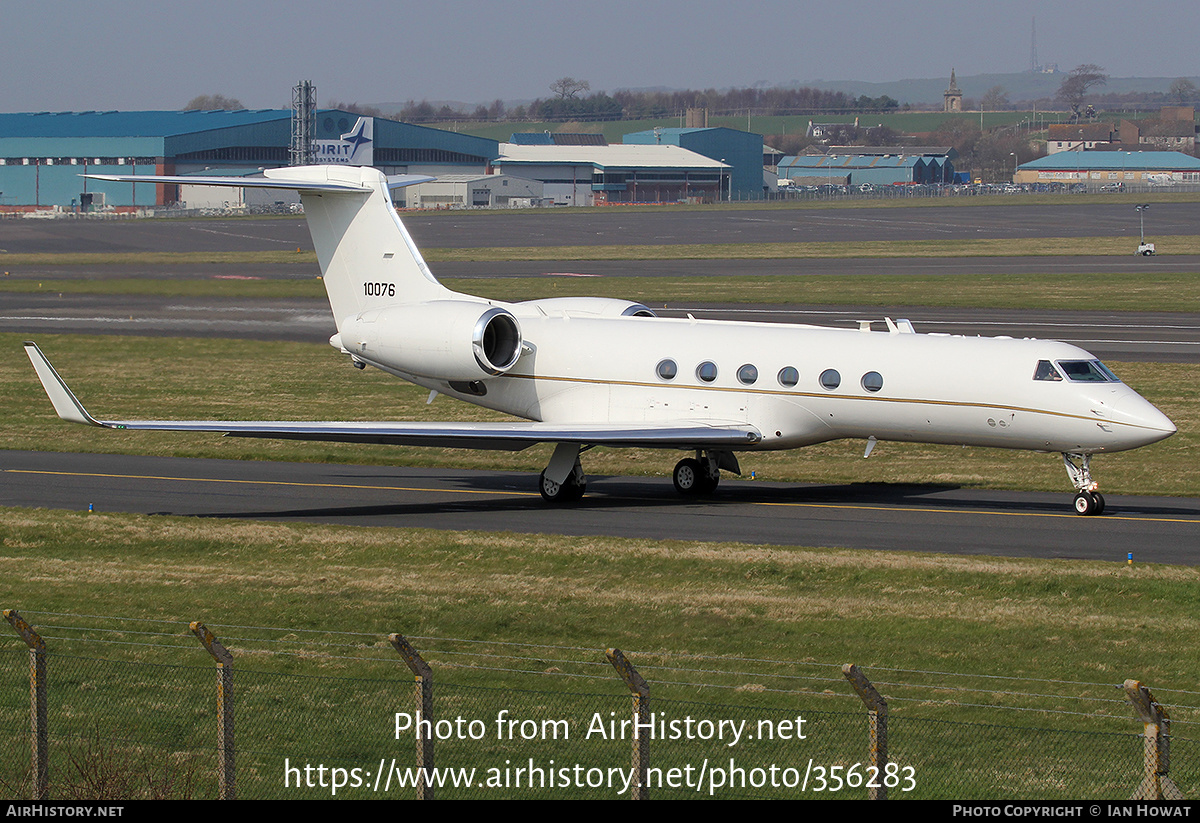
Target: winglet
[(65, 404)]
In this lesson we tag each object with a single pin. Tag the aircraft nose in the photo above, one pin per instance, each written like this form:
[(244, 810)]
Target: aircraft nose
[(1146, 424)]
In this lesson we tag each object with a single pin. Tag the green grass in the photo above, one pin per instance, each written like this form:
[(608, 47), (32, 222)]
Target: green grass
[(993, 247), (764, 628), (645, 596), (1082, 291), (156, 378)]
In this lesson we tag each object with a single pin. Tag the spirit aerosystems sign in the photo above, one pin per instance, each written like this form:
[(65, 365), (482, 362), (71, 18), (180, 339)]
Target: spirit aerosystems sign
[(356, 148)]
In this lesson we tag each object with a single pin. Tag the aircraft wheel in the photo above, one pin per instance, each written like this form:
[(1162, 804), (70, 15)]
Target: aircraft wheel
[(1099, 502), (689, 477), (567, 492), (1087, 504), (551, 492)]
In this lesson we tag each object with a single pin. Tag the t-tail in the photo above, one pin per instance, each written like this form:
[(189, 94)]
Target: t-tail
[(368, 259), (389, 309)]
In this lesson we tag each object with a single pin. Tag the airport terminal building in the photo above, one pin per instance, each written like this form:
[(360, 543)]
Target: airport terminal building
[(1109, 168), (42, 155)]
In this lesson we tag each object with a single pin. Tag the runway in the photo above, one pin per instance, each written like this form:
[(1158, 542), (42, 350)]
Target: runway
[(864, 516), (780, 267), (565, 227), (1140, 336)]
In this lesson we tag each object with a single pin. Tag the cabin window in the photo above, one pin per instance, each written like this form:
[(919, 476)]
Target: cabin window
[(830, 379), (667, 369), (748, 374), (788, 377), (872, 381), (1083, 371), (707, 371), (1045, 371)]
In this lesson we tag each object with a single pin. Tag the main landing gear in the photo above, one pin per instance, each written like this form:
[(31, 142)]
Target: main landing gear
[(696, 476), (568, 491), (563, 481), (1088, 501)]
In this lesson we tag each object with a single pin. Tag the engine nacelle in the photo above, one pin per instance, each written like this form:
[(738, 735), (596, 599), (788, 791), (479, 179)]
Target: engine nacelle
[(589, 306), (446, 339)]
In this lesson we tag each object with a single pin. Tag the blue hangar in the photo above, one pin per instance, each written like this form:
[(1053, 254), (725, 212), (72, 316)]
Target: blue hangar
[(42, 155)]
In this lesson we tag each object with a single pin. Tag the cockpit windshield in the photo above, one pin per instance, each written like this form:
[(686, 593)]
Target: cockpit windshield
[(1087, 371)]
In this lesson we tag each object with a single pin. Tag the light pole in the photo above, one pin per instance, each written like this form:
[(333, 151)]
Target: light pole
[(1013, 155), (1141, 210)]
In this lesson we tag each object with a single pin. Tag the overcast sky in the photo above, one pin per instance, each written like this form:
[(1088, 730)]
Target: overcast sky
[(137, 54)]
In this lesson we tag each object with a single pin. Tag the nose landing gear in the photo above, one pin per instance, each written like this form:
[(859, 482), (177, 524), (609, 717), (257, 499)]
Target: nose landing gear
[(1088, 501)]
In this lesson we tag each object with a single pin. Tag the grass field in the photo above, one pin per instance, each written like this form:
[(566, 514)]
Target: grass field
[(980, 658)]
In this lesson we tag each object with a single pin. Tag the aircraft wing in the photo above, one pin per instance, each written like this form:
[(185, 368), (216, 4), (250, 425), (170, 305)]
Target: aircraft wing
[(513, 436)]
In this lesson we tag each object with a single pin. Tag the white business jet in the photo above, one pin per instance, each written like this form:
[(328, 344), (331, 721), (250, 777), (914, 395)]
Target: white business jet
[(588, 372)]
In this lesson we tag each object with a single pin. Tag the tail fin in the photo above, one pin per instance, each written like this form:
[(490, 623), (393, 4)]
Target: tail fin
[(368, 260), (367, 257)]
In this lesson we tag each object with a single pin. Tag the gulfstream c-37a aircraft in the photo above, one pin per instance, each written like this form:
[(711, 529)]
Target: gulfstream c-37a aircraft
[(590, 372)]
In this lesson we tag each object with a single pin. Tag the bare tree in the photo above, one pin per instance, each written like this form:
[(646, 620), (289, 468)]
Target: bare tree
[(213, 102), (357, 108), (996, 99), (569, 87), (1076, 84), (1183, 90)]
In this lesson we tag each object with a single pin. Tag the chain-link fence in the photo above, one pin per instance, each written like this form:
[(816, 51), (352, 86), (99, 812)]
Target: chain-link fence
[(132, 711)]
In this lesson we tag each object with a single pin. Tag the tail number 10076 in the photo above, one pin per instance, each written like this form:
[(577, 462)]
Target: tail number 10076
[(379, 289)]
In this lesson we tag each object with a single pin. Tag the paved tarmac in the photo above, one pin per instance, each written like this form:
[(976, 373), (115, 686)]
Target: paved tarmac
[(1131, 264), (1117, 336), (564, 227), (862, 516)]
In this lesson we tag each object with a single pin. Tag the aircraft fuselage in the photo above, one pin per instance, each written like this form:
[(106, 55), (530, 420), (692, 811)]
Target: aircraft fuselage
[(889, 385)]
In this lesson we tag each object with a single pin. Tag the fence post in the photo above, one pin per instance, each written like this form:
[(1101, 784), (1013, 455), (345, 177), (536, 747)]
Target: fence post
[(40, 738), (226, 785), (640, 690), (877, 714), (423, 693), (1156, 785)]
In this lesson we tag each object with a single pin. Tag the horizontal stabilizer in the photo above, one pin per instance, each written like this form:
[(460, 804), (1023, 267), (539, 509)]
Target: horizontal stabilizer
[(298, 178)]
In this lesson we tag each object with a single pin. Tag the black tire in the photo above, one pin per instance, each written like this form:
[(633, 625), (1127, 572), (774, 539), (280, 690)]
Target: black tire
[(1086, 504), (1099, 502), (574, 491)]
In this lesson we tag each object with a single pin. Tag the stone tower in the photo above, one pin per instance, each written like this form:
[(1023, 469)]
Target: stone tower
[(953, 95)]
